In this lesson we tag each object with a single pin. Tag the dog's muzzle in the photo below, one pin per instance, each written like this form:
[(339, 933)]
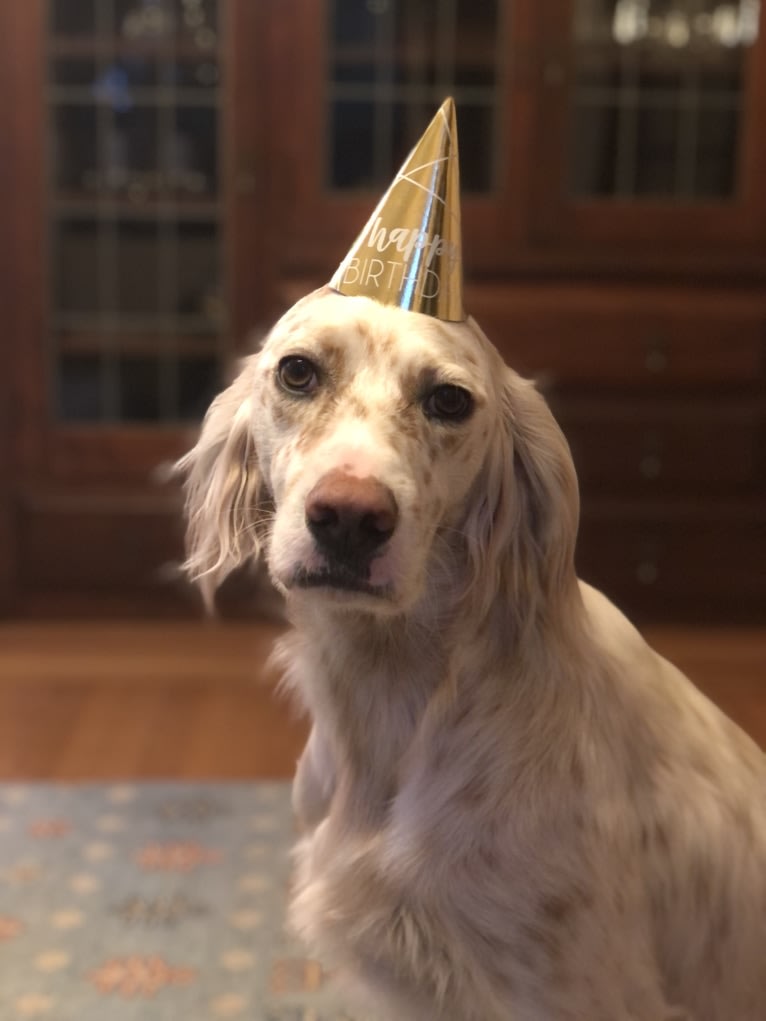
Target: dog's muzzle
[(350, 519)]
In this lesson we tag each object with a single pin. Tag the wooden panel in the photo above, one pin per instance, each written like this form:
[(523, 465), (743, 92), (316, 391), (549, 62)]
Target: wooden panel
[(248, 166), (22, 253), (116, 455), (629, 229), (88, 700), (683, 561), (97, 541), (652, 446), (21, 262), (318, 223), (645, 337)]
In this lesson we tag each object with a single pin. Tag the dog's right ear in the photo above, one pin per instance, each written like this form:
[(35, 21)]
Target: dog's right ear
[(226, 502)]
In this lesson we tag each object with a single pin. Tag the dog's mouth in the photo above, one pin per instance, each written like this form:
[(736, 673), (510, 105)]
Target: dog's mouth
[(340, 578)]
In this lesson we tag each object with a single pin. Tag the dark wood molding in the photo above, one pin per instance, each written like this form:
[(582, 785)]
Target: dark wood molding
[(22, 265)]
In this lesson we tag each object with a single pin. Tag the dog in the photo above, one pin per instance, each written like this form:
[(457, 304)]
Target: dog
[(512, 809)]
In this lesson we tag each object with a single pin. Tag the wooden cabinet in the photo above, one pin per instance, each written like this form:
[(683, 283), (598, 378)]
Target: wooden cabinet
[(132, 223), (661, 391), (175, 174)]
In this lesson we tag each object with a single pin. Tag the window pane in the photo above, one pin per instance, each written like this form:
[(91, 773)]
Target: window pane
[(75, 162), (80, 394), (192, 156), (70, 18), (667, 76), (718, 132), (657, 143), (392, 63), (353, 145), (137, 306), (76, 262), (198, 383), (475, 125), (139, 389), (593, 147), (137, 270)]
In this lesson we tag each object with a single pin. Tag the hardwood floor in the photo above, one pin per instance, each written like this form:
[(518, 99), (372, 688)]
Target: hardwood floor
[(99, 700), (177, 699)]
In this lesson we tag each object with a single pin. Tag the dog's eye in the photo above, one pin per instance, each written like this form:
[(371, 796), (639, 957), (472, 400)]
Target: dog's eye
[(297, 374), (449, 402)]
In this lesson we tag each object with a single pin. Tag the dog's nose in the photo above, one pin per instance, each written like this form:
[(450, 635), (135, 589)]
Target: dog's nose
[(350, 517)]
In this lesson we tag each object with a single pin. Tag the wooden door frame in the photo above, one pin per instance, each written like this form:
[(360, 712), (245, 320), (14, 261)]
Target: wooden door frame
[(22, 268), (734, 229)]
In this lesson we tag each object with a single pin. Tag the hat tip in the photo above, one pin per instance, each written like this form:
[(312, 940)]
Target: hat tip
[(409, 254)]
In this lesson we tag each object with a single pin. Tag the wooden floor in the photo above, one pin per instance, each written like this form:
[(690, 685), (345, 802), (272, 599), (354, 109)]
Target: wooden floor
[(104, 700)]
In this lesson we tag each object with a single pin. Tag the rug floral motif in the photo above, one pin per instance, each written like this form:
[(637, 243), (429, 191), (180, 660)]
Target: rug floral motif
[(151, 902)]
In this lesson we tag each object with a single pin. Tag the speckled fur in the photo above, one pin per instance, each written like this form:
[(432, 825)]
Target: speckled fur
[(513, 809)]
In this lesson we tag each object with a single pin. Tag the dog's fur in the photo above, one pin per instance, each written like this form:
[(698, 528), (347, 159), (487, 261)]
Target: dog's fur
[(513, 809)]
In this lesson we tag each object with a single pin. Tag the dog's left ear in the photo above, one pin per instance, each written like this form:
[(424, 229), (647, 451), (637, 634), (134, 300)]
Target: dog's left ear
[(523, 526)]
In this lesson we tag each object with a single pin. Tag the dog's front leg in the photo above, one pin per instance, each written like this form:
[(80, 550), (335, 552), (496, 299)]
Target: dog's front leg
[(314, 782)]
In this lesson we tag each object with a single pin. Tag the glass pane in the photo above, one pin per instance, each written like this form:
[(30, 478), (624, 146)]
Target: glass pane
[(196, 74), (137, 307), (352, 22), (594, 150), (199, 274), (71, 71), (197, 22), (392, 63), (137, 72), (140, 387), (76, 261), (191, 22), (657, 139), (131, 150), (143, 20), (199, 380), (475, 124), (192, 156), (137, 270), (717, 136), (73, 17), (353, 145), (659, 91), (80, 391), (74, 151)]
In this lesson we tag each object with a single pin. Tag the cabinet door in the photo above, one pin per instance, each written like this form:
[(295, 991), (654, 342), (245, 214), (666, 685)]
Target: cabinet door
[(134, 225), (650, 123), (353, 87)]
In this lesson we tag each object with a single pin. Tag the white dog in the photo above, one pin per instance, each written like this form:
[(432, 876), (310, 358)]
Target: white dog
[(514, 810)]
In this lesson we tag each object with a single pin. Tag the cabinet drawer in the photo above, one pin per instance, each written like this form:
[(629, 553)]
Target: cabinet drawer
[(625, 337), (657, 446), (682, 561)]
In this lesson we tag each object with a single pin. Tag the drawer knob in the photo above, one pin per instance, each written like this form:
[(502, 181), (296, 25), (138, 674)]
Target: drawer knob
[(651, 466), (647, 572), (656, 361)]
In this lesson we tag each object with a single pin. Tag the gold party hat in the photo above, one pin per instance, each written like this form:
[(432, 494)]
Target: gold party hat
[(409, 254)]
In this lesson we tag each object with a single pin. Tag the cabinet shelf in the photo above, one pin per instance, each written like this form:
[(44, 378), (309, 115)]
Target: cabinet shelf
[(469, 52), (169, 207), (98, 47), (159, 344), (650, 57)]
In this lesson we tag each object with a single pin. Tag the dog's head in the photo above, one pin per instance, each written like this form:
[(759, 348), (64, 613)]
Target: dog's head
[(365, 448)]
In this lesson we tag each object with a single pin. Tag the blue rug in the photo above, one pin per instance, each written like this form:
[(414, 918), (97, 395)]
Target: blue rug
[(151, 902)]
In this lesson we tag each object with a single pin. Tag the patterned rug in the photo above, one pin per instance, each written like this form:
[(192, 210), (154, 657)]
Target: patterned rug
[(151, 902)]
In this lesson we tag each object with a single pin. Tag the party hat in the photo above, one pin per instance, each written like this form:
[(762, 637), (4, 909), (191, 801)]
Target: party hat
[(409, 254)]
